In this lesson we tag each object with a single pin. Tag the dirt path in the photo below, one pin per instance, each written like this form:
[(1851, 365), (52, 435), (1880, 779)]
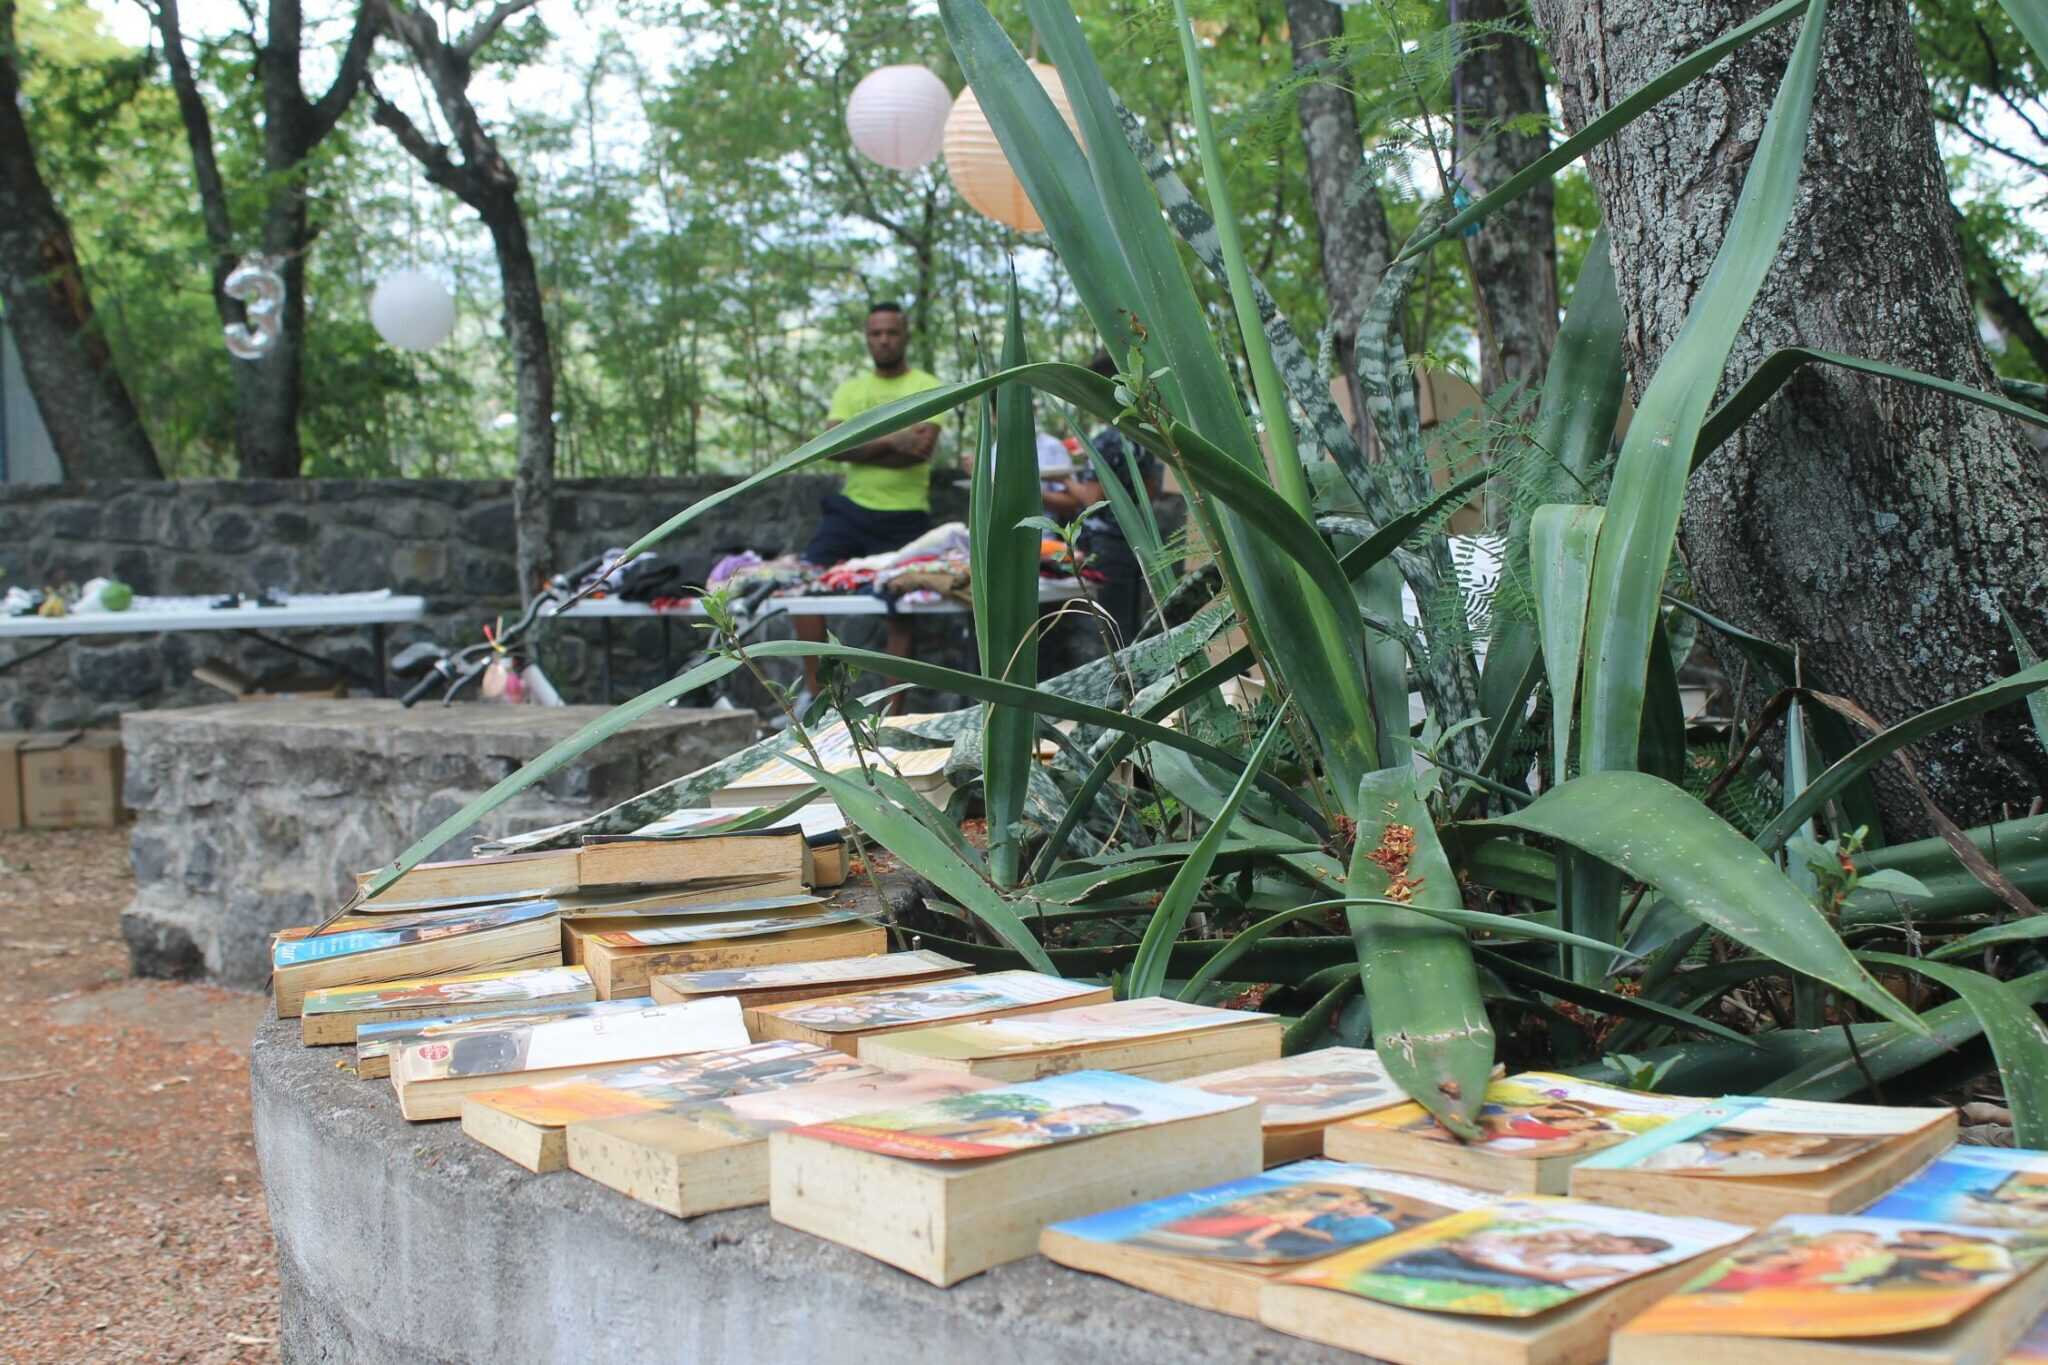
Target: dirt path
[(132, 1224)]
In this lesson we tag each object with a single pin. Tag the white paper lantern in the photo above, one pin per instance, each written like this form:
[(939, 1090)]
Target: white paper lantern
[(412, 310), (976, 162), (897, 116)]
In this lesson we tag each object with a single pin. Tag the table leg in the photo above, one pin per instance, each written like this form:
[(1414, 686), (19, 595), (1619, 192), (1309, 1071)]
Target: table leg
[(377, 655), (20, 659), (604, 661), (339, 668), (668, 665)]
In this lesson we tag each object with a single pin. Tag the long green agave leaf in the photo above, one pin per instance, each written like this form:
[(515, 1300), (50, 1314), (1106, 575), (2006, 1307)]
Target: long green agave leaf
[(2017, 931), (1879, 747), (1428, 1022), (1779, 366), (1005, 582), (1641, 526), (1316, 1018), (1594, 998), (1561, 541), (2023, 651), (2031, 20), (1618, 116), (585, 739), (906, 837), (1888, 1050), (1148, 972), (2018, 1038), (1658, 834)]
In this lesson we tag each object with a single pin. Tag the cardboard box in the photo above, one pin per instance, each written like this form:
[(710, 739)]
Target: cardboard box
[(298, 687), (10, 778), (71, 779)]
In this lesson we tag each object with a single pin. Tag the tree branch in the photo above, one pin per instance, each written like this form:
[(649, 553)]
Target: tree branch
[(1953, 121), (213, 195), (353, 72), (487, 28), (441, 168)]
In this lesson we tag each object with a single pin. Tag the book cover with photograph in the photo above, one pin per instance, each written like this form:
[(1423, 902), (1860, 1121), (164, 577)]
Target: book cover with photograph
[(1746, 1136), (1515, 1259), (509, 987), (1989, 1187), (376, 1044), (664, 1084), (286, 952), (1813, 1276), (1083, 1024), (1302, 1211), (1542, 1114), (662, 1030), (1317, 1087), (670, 935), (1058, 1109), (932, 1003), (785, 975)]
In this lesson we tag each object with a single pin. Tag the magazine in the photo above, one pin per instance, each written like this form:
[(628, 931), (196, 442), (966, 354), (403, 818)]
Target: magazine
[(1541, 1114), (287, 952), (534, 983), (1986, 1187), (784, 975), (384, 1040), (682, 1080), (1816, 1276), (931, 1003), (1081, 1104), (1078, 1027), (1517, 1258), (1298, 1212), (1748, 1136), (664, 1030), (708, 933), (1311, 1087)]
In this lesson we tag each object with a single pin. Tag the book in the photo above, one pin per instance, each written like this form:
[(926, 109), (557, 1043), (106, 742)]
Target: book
[(624, 961), (1535, 1127), (775, 781), (585, 912), (1154, 1037), (697, 1158), (1752, 1160), (823, 826), (1818, 1288), (953, 1187), (524, 875), (1528, 1281), (1990, 1187), (520, 935), (632, 860), (842, 1020), (433, 1075), (1215, 1247), (780, 982), (376, 1044), (527, 1123), (332, 1014), (1302, 1095)]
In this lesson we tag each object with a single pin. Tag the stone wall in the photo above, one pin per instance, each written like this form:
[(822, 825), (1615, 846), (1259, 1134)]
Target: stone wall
[(253, 816), (448, 540)]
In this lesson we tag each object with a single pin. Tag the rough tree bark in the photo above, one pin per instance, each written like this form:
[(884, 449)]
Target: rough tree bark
[(84, 405), (1514, 256), (1355, 237), (1877, 526), (485, 181), (267, 390)]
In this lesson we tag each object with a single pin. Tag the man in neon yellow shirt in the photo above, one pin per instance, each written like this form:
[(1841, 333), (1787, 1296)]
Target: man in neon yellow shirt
[(886, 501)]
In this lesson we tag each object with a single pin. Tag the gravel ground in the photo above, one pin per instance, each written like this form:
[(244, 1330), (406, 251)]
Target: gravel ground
[(132, 1223)]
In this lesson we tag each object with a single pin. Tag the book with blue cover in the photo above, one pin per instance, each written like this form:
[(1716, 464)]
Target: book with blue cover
[(497, 938), (1987, 1187)]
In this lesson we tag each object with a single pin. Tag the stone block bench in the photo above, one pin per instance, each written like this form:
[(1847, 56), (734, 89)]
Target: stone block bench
[(252, 816), (409, 1243)]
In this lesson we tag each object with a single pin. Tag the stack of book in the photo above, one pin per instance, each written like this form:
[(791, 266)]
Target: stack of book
[(724, 865), (332, 1015), (357, 950), (949, 1188), (1536, 1127), (1162, 1039), (842, 1021), (624, 959), (779, 983), (376, 1044), (1301, 1096), (1752, 1160), (432, 1075)]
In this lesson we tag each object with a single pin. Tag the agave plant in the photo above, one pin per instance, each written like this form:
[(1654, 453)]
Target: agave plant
[(1339, 814)]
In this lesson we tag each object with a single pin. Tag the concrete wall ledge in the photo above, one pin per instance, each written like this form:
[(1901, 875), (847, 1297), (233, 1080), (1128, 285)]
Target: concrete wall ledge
[(411, 1243)]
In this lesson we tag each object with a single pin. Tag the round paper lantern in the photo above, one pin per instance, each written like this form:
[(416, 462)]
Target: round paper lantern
[(897, 115), (412, 310), (976, 162)]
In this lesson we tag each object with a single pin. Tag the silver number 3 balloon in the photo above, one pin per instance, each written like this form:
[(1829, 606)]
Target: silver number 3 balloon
[(258, 282)]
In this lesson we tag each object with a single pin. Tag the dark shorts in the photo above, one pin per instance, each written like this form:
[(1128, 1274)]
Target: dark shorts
[(846, 530)]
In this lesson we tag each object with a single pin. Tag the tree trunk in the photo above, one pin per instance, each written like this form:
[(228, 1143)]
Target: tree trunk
[(1877, 526), (1355, 238), (84, 405), (533, 482), (1514, 254)]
